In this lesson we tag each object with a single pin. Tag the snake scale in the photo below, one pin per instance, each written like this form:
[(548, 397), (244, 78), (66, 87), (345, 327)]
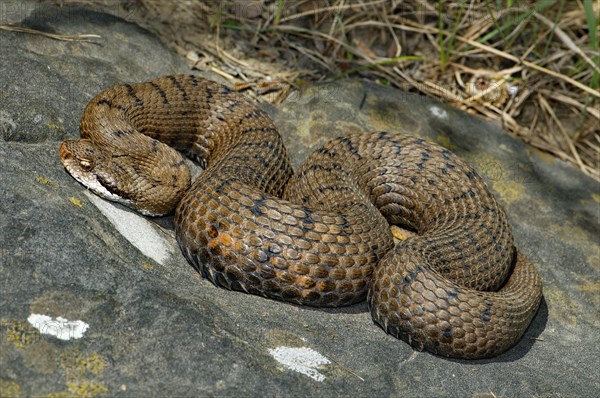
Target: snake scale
[(320, 236)]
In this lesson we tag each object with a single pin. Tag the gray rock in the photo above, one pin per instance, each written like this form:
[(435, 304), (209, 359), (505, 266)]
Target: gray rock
[(155, 328)]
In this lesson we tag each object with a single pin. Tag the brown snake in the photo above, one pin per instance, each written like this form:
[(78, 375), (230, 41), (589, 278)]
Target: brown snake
[(319, 237)]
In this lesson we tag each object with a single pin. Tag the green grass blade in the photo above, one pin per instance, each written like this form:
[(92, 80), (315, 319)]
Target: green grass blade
[(592, 24)]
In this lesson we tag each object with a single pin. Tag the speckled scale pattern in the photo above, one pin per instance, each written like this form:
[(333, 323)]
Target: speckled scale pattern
[(320, 237)]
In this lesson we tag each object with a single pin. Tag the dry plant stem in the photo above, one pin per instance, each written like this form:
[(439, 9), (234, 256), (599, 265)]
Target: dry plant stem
[(491, 50), (82, 37), (562, 130), (567, 40)]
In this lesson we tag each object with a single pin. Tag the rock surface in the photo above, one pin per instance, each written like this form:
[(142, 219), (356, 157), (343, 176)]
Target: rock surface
[(98, 301)]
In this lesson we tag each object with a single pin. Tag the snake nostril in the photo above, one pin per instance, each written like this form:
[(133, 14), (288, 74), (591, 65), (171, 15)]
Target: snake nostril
[(64, 152)]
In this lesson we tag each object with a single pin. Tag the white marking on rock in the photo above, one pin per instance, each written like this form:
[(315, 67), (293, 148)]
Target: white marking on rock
[(438, 112), (60, 327), (136, 229), (301, 359)]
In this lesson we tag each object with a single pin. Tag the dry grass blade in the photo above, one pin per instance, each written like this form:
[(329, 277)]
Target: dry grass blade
[(560, 76), (336, 8), (572, 102), (568, 139), (82, 37), (567, 40)]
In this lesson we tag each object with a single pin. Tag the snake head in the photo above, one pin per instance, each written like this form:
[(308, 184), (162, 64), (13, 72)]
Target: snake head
[(152, 188), (80, 159)]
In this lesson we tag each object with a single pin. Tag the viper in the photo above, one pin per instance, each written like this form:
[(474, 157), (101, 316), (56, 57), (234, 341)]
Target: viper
[(319, 236)]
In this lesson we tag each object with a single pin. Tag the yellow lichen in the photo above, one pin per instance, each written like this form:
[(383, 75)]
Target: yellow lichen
[(588, 286), (76, 202), (10, 389), (62, 394), (505, 179), (510, 191), (594, 199), (55, 126), (44, 180), (445, 142), (87, 389), (573, 233), (488, 166), (77, 365), (19, 333), (560, 306), (94, 364)]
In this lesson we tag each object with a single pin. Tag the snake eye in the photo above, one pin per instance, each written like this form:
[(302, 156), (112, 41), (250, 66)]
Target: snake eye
[(86, 164)]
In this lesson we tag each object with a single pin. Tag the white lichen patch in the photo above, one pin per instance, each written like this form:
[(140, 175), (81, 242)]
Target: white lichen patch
[(301, 359), (135, 228), (438, 112), (60, 327)]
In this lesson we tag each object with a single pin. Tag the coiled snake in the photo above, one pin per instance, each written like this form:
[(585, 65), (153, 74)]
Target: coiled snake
[(319, 237)]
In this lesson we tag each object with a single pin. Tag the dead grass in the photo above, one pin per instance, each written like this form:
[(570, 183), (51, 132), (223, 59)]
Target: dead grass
[(532, 66)]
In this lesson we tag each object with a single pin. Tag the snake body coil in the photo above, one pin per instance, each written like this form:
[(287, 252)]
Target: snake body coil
[(318, 237)]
